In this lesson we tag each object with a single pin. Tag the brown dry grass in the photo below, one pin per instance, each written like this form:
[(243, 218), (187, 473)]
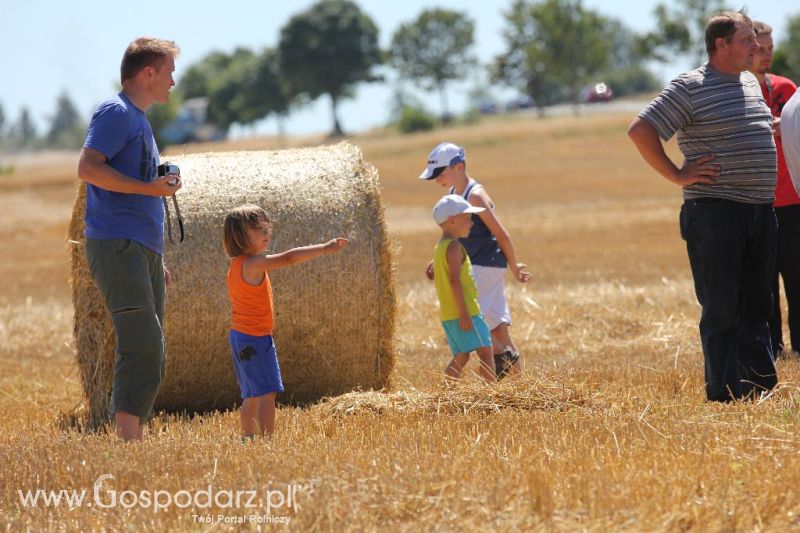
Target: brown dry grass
[(608, 430)]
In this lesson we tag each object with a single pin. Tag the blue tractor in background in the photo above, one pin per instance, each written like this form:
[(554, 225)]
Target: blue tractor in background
[(191, 125)]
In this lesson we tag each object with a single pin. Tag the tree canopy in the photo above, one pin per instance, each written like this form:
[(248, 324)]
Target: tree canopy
[(263, 91), (434, 49), (242, 87), (202, 77), (626, 72), (681, 30), (328, 49), (552, 46), (67, 129), (24, 131), (787, 51), (160, 115), (227, 86)]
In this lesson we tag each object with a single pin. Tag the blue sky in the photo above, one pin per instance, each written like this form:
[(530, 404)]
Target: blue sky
[(50, 46)]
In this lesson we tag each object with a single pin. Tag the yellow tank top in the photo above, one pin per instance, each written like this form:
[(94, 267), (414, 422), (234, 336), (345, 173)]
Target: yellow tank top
[(447, 302)]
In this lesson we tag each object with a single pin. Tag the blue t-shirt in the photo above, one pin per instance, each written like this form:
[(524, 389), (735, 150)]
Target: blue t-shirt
[(120, 131)]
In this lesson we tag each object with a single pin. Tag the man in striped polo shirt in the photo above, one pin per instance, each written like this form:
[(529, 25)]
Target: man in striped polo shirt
[(724, 130)]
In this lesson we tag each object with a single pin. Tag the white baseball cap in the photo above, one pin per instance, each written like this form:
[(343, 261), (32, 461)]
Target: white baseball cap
[(452, 205), (444, 155)]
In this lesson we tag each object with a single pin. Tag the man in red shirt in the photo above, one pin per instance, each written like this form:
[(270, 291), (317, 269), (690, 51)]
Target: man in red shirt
[(777, 90)]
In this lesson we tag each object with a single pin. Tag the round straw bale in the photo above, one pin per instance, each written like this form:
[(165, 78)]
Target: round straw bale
[(334, 315)]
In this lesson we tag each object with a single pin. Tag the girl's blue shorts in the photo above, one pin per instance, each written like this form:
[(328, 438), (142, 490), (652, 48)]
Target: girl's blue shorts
[(255, 361)]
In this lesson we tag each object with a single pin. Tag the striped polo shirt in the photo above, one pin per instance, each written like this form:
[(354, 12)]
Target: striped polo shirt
[(720, 114)]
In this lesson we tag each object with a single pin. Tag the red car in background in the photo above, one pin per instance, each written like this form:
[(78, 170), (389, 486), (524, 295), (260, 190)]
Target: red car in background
[(599, 92)]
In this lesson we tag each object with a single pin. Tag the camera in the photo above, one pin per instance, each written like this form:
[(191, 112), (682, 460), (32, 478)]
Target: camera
[(168, 169)]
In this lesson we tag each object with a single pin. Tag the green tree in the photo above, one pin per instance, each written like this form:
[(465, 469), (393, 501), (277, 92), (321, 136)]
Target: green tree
[(67, 129), (328, 49), (24, 131), (552, 47), (201, 78), (227, 85), (681, 30), (2, 121), (787, 52), (221, 78), (434, 49), (263, 90), (415, 119), (480, 94), (400, 100), (242, 87), (160, 115), (626, 72)]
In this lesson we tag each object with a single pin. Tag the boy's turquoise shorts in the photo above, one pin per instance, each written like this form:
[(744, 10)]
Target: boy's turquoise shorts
[(461, 341)]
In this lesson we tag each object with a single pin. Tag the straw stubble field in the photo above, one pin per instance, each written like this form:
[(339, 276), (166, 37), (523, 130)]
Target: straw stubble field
[(607, 429)]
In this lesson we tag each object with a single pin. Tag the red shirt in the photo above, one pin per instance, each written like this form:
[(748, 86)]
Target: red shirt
[(251, 305), (777, 92)]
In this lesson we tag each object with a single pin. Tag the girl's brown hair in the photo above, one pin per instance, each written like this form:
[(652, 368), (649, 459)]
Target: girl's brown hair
[(237, 221)]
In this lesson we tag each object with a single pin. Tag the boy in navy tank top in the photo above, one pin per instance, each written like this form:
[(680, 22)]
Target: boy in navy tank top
[(489, 247)]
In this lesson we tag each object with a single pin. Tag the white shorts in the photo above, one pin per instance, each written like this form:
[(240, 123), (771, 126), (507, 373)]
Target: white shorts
[(492, 295)]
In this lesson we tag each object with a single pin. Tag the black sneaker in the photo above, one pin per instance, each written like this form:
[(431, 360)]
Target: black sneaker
[(503, 363)]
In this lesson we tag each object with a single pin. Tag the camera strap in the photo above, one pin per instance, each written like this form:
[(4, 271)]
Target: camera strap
[(169, 218)]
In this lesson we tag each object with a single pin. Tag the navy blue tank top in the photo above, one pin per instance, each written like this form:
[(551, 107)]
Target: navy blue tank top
[(481, 244)]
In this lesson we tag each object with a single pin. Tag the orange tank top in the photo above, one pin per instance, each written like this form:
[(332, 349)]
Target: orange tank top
[(251, 305)]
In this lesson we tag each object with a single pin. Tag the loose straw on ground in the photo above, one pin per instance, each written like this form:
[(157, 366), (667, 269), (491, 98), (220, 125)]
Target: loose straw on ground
[(526, 393)]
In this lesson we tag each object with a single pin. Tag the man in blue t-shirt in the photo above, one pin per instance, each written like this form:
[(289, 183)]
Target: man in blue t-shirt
[(125, 226)]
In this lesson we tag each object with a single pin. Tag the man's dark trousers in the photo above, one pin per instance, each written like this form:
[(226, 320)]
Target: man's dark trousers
[(788, 266), (731, 248)]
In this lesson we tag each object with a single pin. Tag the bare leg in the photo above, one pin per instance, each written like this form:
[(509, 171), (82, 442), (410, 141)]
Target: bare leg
[(129, 427), (486, 370), (502, 341), (498, 345), (248, 417), (266, 414), (456, 366), (501, 338)]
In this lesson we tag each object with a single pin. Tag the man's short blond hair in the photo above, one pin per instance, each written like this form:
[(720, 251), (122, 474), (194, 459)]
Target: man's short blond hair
[(146, 52)]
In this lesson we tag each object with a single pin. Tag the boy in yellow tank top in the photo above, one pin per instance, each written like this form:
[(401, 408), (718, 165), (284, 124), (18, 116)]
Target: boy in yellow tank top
[(459, 311)]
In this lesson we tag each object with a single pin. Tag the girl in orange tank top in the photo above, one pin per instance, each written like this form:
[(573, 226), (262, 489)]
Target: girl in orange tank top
[(246, 239)]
